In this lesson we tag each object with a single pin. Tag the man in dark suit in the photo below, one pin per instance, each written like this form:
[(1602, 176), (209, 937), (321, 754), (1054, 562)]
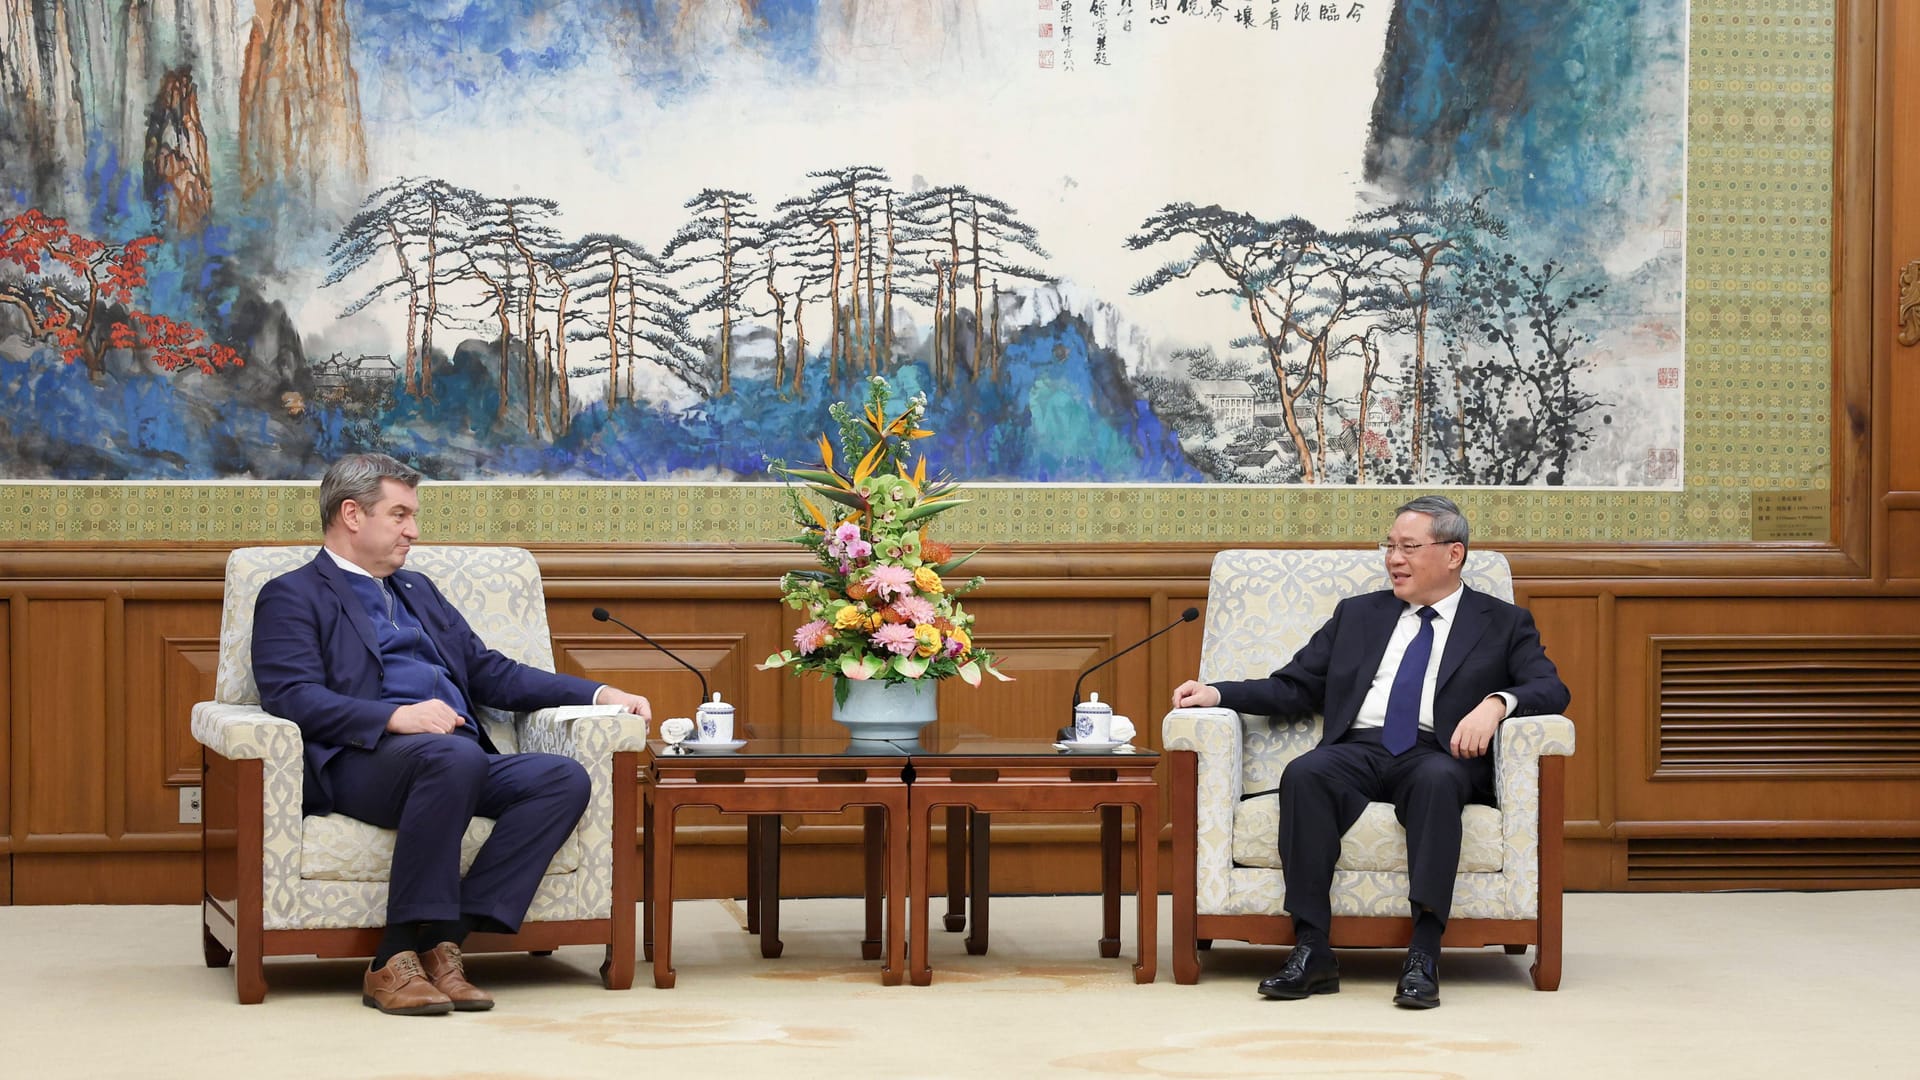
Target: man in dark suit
[(1413, 684), (383, 676)]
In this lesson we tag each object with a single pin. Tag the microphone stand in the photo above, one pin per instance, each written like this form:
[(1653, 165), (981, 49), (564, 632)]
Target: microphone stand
[(603, 615), (1186, 616)]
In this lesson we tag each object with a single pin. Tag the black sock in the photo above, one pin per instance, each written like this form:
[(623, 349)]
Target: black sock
[(454, 930), (1308, 934), (399, 938), (446, 931), (1427, 928)]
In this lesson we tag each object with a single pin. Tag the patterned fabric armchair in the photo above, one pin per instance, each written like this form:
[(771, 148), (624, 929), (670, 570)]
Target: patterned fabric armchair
[(1262, 606), (277, 883)]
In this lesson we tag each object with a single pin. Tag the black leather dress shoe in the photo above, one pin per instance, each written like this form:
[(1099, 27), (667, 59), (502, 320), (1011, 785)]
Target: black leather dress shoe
[(1419, 982), (1310, 969)]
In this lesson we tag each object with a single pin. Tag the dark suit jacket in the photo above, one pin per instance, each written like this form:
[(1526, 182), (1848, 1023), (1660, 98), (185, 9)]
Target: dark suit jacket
[(1493, 647), (317, 662)]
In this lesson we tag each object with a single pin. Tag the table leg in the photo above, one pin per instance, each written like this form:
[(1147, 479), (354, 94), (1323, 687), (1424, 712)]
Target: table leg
[(873, 839), (897, 859), (979, 841), (646, 877), (956, 918), (1110, 881), (753, 874), (1146, 836), (660, 841), (770, 944), (920, 830)]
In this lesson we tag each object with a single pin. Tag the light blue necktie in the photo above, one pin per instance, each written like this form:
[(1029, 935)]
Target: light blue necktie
[(1403, 701)]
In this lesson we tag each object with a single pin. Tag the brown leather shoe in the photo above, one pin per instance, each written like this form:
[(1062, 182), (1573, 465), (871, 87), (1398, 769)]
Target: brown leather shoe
[(449, 975), (401, 988)]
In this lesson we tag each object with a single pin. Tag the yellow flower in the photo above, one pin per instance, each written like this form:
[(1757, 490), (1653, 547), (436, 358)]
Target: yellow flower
[(961, 636), (929, 640), (926, 580), (875, 619), (849, 618)]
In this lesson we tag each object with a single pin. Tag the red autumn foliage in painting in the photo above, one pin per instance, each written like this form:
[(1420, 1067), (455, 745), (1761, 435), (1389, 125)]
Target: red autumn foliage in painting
[(76, 294)]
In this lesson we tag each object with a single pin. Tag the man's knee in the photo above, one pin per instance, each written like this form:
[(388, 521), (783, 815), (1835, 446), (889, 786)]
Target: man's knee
[(1311, 771), (567, 780), (1441, 774)]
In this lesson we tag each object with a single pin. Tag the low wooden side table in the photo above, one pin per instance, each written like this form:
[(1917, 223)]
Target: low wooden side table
[(766, 778), (987, 776)]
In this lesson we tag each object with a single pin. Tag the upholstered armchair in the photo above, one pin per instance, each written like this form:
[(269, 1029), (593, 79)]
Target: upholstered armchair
[(1262, 606), (278, 883)]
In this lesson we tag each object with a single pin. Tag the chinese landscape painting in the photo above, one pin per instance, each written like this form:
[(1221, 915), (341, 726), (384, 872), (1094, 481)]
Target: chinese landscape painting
[(1375, 242)]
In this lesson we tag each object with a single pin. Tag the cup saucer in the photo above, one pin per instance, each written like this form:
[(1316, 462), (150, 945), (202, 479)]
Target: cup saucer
[(1088, 746), (692, 746)]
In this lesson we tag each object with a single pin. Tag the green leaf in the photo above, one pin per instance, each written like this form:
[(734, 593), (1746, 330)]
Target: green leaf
[(818, 476), (846, 498), (951, 565), (927, 510), (911, 666)]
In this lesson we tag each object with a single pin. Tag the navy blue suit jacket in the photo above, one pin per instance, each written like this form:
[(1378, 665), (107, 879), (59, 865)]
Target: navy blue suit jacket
[(317, 662), (1492, 648)]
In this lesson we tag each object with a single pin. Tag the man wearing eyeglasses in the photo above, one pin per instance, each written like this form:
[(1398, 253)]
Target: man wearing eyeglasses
[(1413, 683)]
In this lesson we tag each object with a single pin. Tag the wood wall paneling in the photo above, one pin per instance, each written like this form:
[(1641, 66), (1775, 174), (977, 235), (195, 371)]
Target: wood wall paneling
[(8, 610), (173, 651), (1570, 629), (1903, 532), (1802, 796), (64, 763), (1897, 242)]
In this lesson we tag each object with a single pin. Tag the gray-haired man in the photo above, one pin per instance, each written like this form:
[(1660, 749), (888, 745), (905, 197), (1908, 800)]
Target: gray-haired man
[(1413, 683)]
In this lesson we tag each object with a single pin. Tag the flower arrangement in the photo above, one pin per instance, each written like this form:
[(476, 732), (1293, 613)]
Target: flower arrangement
[(880, 607)]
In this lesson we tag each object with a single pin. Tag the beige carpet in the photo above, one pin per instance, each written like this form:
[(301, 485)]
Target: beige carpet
[(1749, 985)]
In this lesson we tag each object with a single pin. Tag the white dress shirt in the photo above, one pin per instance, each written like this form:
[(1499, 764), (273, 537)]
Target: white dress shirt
[(1373, 711)]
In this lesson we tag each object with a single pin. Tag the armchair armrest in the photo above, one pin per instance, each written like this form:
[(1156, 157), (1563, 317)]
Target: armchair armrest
[(240, 732), (1216, 735), (606, 839), (582, 737), (1523, 741)]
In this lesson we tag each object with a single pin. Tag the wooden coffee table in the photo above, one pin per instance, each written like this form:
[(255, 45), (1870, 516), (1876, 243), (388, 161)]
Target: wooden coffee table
[(977, 777), (764, 779)]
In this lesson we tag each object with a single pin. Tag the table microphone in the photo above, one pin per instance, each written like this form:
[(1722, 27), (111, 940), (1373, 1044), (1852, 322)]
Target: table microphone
[(1186, 616), (604, 615)]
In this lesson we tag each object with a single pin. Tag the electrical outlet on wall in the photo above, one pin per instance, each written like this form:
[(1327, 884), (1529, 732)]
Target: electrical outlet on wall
[(189, 806)]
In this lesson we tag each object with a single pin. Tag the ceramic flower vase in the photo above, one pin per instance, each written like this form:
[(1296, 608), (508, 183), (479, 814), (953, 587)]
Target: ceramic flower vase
[(875, 710)]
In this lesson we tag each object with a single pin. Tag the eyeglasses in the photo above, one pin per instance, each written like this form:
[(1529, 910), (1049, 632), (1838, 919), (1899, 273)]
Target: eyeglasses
[(1387, 548)]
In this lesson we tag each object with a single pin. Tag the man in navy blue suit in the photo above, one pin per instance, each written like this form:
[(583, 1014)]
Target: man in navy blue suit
[(383, 675), (1413, 684)]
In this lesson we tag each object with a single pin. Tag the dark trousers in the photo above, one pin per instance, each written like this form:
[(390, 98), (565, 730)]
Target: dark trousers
[(427, 788), (1324, 791)]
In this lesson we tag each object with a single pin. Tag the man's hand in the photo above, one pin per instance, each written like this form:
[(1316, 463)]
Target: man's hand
[(1195, 695), (433, 717), (1475, 732), (633, 703)]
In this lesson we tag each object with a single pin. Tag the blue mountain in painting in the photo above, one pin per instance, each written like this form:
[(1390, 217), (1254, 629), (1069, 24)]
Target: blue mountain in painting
[(1060, 408), (1544, 104)]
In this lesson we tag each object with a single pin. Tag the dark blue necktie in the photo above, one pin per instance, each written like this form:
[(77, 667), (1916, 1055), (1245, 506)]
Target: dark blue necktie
[(1403, 701)]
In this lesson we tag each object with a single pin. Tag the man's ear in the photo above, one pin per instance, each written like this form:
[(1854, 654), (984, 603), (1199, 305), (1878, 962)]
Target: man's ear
[(350, 515)]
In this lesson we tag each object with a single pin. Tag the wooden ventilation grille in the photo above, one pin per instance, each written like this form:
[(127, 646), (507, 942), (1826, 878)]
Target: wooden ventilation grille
[(1784, 864), (1790, 706)]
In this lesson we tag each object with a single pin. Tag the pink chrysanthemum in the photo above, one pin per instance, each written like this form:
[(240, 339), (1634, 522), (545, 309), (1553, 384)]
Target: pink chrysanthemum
[(888, 582), (812, 636), (896, 638), (915, 609)]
